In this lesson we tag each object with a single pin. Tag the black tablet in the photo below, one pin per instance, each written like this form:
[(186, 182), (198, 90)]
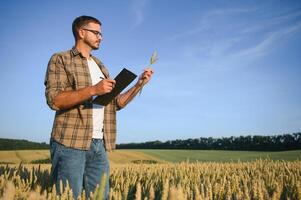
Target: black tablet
[(123, 79)]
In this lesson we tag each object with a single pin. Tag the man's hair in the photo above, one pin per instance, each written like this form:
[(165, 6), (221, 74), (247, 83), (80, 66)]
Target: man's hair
[(82, 21)]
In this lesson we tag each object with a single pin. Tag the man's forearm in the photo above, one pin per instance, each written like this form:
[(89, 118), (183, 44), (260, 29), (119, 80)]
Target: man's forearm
[(126, 97), (68, 99)]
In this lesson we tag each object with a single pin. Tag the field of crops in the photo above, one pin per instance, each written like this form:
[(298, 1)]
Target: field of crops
[(219, 155), (158, 156), (166, 174), (261, 179)]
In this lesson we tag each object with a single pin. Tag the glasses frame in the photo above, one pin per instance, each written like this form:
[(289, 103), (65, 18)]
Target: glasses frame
[(96, 33)]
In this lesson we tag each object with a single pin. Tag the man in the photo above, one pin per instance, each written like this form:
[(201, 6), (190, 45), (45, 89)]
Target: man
[(82, 131)]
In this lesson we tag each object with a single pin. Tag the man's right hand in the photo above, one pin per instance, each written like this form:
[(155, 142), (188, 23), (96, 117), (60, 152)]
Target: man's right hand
[(68, 99), (104, 86)]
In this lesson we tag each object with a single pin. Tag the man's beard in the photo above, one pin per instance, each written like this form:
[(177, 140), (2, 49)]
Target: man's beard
[(94, 45)]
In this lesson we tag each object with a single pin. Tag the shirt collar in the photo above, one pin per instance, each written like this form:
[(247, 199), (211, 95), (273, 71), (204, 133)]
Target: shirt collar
[(76, 52)]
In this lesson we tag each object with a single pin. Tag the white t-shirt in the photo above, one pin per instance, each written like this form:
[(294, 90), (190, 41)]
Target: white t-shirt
[(98, 110)]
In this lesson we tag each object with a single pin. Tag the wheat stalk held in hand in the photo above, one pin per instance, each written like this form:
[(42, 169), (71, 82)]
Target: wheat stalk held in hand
[(153, 59)]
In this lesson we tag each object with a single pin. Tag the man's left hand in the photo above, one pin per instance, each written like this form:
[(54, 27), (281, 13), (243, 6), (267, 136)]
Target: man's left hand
[(145, 76)]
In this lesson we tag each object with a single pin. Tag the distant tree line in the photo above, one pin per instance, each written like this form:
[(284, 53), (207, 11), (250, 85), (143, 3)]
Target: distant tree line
[(12, 144), (244, 143)]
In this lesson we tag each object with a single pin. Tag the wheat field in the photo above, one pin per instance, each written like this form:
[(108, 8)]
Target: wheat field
[(255, 180), (157, 156)]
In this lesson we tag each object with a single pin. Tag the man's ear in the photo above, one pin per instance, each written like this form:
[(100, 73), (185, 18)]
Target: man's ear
[(81, 34)]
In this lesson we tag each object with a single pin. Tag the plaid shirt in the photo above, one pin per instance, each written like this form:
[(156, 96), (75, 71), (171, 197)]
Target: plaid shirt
[(73, 127)]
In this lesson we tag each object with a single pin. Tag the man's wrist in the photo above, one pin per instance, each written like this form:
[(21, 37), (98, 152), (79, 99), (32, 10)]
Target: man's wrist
[(139, 84), (92, 91)]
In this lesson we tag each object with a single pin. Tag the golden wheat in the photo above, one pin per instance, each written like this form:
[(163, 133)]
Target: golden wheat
[(261, 179)]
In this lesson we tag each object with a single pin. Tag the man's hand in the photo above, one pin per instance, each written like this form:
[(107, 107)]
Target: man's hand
[(104, 86), (145, 76), (126, 97), (68, 99)]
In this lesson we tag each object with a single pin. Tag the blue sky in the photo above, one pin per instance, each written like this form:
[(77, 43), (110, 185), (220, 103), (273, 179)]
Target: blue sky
[(225, 68)]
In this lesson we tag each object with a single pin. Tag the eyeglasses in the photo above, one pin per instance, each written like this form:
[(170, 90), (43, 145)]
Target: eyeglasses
[(96, 33)]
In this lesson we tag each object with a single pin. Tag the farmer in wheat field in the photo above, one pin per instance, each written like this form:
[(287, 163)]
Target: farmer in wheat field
[(82, 131)]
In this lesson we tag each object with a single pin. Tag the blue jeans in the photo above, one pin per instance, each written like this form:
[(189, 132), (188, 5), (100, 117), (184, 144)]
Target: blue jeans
[(82, 169)]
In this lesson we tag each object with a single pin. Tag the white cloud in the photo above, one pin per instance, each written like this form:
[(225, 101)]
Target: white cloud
[(207, 21), (265, 46), (138, 7), (217, 47), (269, 23)]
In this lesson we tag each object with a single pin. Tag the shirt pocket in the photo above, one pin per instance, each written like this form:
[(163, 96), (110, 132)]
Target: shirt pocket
[(72, 80), (82, 76)]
